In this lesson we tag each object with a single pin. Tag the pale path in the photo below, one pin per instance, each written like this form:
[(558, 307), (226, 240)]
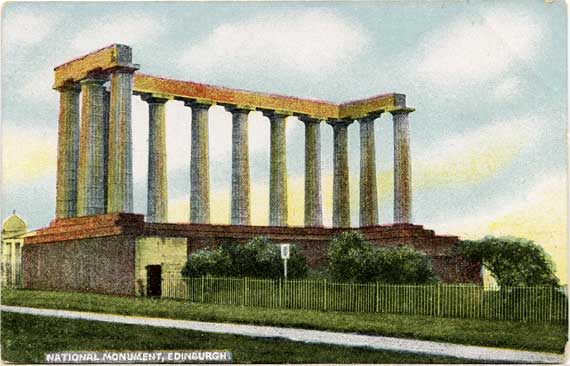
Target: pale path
[(484, 354)]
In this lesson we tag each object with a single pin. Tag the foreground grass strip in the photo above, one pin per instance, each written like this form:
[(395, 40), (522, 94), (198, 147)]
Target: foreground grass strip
[(544, 337), (26, 338)]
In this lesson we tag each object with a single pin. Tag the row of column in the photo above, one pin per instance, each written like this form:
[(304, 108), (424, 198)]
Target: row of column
[(95, 159), (278, 208), (94, 172)]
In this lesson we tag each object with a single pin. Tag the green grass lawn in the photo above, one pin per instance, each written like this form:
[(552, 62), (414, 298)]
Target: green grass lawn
[(546, 337), (26, 338)]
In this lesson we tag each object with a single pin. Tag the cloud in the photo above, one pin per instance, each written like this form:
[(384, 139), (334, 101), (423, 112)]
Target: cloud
[(476, 155), (38, 86), (474, 50), (465, 159), (133, 29), (538, 214), (302, 42), (507, 88), (28, 154), (26, 27)]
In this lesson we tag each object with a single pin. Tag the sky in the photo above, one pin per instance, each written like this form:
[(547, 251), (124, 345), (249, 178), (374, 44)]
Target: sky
[(487, 80)]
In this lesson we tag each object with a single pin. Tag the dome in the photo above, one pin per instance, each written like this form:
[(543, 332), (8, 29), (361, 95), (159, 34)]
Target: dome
[(14, 226)]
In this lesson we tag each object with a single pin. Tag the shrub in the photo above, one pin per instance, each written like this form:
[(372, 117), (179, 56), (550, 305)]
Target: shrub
[(203, 261), (258, 258), (512, 261), (351, 258)]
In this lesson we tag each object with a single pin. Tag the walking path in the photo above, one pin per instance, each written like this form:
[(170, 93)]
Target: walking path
[(483, 354)]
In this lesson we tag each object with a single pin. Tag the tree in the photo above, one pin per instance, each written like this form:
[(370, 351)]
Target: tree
[(258, 258), (512, 261), (351, 258)]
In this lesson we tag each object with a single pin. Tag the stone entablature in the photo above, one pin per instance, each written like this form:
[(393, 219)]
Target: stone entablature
[(120, 56)]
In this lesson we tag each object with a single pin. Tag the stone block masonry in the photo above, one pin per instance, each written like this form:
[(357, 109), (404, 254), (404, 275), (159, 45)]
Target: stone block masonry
[(110, 253)]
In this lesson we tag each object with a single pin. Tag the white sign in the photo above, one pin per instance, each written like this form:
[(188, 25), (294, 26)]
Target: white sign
[(285, 251)]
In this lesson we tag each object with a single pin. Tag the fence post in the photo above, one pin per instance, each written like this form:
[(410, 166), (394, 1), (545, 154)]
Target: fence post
[(550, 303), (245, 291), (326, 297), (438, 299), (377, 297), (202, 299), (280, 300)]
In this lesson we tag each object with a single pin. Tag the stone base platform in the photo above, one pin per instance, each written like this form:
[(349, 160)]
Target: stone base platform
[(110, 253)]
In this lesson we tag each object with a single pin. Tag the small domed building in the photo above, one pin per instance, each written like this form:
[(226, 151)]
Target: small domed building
[(14, 230)]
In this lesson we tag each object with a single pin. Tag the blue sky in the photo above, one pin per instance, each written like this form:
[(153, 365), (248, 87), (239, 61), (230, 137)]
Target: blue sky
[(487, 79)]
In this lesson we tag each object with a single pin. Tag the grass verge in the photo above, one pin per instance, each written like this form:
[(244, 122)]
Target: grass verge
[(26, 338), (545, 337)]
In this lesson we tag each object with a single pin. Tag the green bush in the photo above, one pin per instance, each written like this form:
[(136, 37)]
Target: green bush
[(352, 259), (258, 258), (512, 261)]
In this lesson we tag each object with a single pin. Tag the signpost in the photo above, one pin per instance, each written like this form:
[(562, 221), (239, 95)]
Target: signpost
[(285, 255)]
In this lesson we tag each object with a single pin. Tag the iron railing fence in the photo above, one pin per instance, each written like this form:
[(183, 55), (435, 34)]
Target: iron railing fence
[(531, 304)]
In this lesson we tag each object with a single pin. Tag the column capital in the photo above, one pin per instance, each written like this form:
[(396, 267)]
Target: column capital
[(339, 123), (92, 81), (238, 109), (371, 117), (152, 98), (306, 119), (402, 111), (124, 69), (69, 86), (272, 113), (198, 104)]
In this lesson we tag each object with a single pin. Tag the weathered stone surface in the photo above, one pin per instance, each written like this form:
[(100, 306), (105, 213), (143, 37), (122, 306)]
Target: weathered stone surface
[(402, 167), (169, 253), (91, 180), (240, 203), (120, 175), (157, 193), (368, 191), (278, 211), (67, 151), (341, 185), (102, 60), (288, 104), (106, 117), (100, 265), (199, 164), (313, 195), (163, 239)]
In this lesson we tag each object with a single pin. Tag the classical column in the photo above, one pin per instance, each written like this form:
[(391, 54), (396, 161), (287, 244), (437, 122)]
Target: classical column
[(199, 164), (341, 187), (402, 167), (278, 170), (91, 183), (120, 174), (368, 192), (67, 151), (240, 205), (157, 191), (313, 200), (106, 117)]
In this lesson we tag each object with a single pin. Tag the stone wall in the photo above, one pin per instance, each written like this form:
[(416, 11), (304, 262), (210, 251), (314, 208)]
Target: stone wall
[(169, 253), (100, 265), (110, 253)]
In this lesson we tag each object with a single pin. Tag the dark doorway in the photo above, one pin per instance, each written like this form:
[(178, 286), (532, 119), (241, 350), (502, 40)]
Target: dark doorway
[(154, 280)]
